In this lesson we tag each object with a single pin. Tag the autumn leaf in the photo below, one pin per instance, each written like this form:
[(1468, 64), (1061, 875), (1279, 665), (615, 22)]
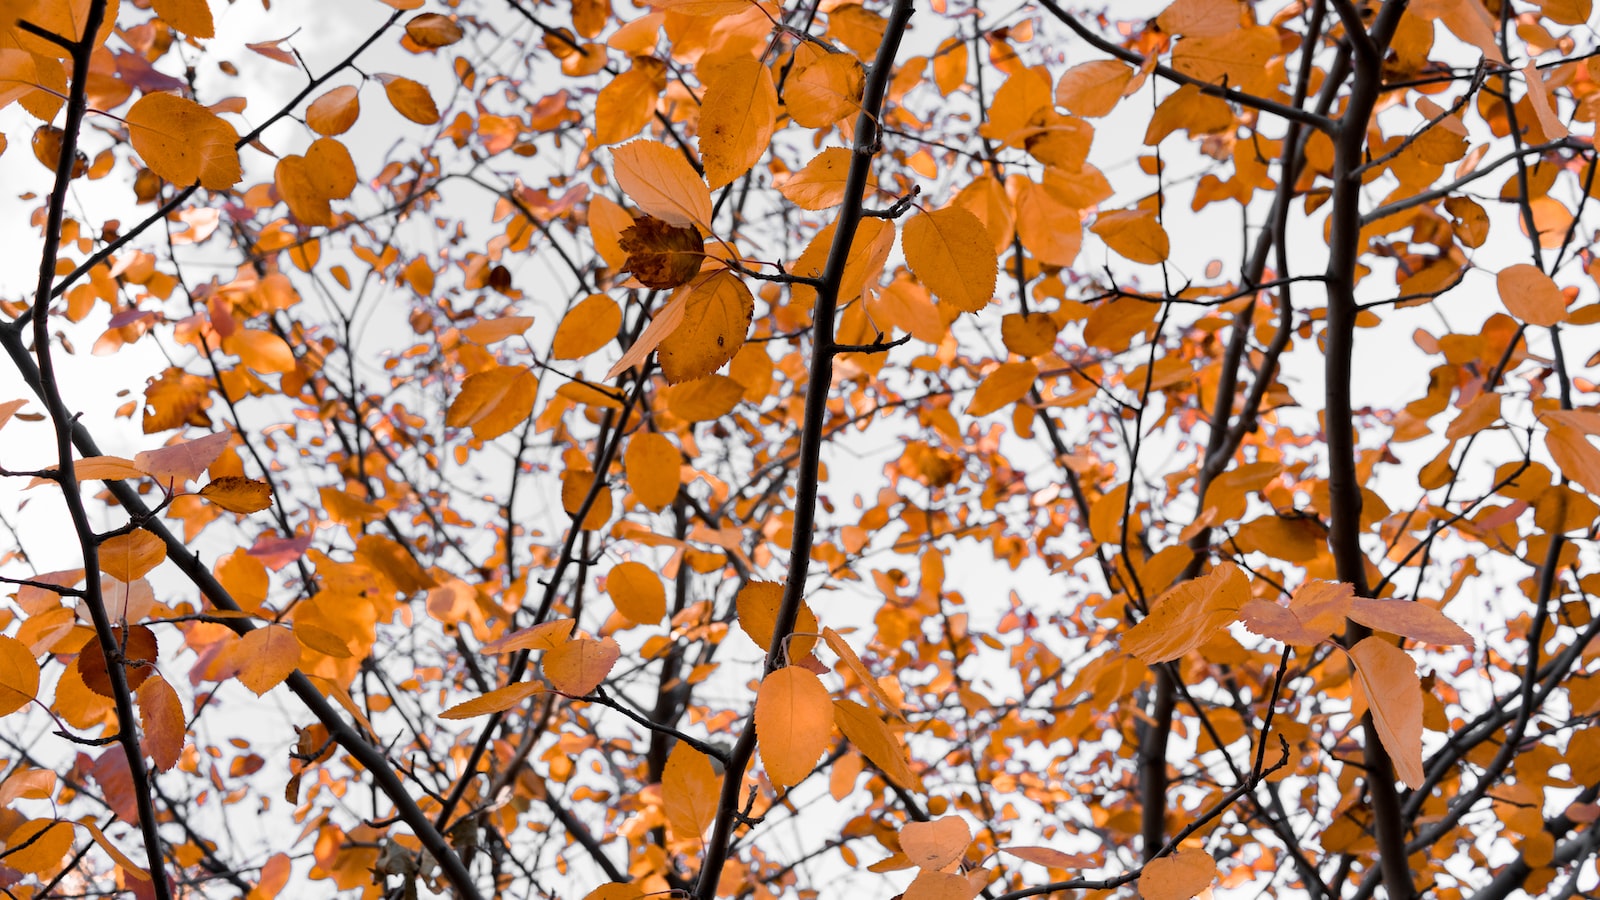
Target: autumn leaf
[(162, 720), (1178, 877), (579, 665), (704, 399), (867, 733), (948, 250), (19, 675), (488, 331), (129, 556), (736, 119), (1531, 295), (847, 656), (183, 461), (662, 183), (1052, 858), (716, 319), (1007, 384), (660, 255), (37, 846), (652, 464), (493, 402), (432, 31), (937, 843), (265, 657), (824, 90), (335, 111), (638, 593), (588, 326), (238, 494), (794, 721), (184, 142), (544, 636), (821, 183), (139, 649), (757, 606), (409, 98), (1413, 619), (1136, 235), (1093, 88), (1388, 679), (689, 790), (497, 700), (1189, 615)]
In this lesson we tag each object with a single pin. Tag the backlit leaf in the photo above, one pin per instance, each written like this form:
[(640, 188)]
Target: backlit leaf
[(704, 399), (935, 844), (820, 184), (238, 494), (587, 327), (1178, 877), (660, 255), (794, 721), (1415, 620), (1189, 615), (184, 142), (757, 606), (1531, 295), (497, 700), (192, 17), (1134, 234), (716, 319), (1007, 384), (652, 464), (493, 402), (266, 656), (183, 462), (1388, 678), (410, 99), (949, 251), (637, 591), (825, 90), (689, 791), (19, 675), (130, 556), (335, 111), (867, 732), (661, 182), (1093, 88), (433, 31), (736, 119), (579, 666), (162, 721)]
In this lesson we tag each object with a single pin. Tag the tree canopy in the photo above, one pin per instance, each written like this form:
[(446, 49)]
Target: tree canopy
[(730, 448)]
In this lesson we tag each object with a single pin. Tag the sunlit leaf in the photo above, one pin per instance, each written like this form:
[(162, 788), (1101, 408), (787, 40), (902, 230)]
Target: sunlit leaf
[(497, 700), (579, 665), (661, 182), (1388, 678), (184, 142), (736, 119), (1178, 877), (794, 721)]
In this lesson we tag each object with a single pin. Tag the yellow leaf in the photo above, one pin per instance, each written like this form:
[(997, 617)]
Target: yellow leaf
[(793, 723), (487, 331), (757, 606), (192, 17), (637, 592), (716, 320), (37, 846), (661, 181), (238, 494), (704, 399), (432, 31), (949, 251), (1189, 615), (820, 184), (334, 112), (1007, 384), (689, 791), (1134, 234), (1531, 295), (825, 90), (1093, 89), (578, 666), (162, 721), (575, 487), (19, 675), (497, 700), (950, 64), (493, 402), (1388, 678), (935, 844), (410, 99), (130, 556), (652, 464), (736, 119), (184, 142), (1178, 877), (265, 657), (867, 733), (262, 351)]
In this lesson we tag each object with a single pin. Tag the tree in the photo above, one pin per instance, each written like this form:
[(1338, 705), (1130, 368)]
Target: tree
[(728, 449)]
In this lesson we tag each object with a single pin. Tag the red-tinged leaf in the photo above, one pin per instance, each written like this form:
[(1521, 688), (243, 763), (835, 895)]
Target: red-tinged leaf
[(1178, 877), (1388, 678), (1414, 620), (847, 655), (139, 651), (497, 700), (652, 465), (183, 462), (238, 494), (273, 51), (276, 552), (661, 182), (265, 657), (162, 721), (937, 843), (1189, 615), (689, 791), (19, 675), (130, 556), (1317, 611), (1054, 859), (184, 142), (794, 723), (580, 665), (867, 733), (638, 593), (1008, 383), (544, 636), (660, 255)]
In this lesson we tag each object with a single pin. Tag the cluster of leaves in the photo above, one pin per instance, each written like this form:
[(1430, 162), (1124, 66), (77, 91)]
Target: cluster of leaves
[(613, 486)]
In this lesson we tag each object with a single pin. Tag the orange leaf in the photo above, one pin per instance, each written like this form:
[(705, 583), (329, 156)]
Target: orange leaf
[(112, 850), (1055, 859), (19, 675), (793, 723), (689, 791), (432, 31), (161, 719), (184, 461), (1007, 384), (578, 666), (1414, 620), (950, 252), (184, 142), (716, 319), (1178, 877), (37, 846), (575, 487), (1531, 295), (1093, 89), (652, 464), (1573, 455), (334, 112), (757, 605), (1200, 18), (265, 657), (1388, 678), (660, 255), (410, 99), (487, 331), (866, 731), (950, 64), (238, 494), (638, 593), (130, 556), (847, 655), (587, 327), (494, 402), (192, 17), (663, 323), (1189, 615), (262, 351), (736, 118), (661, 181), (820, 184), (704, 399), (824, 90), (936, 844), (544, 636), (323, 641), (1317, 611), (1134, 234), (105, 468), (497, 700)]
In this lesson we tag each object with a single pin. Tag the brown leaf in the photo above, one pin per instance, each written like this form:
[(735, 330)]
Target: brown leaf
[(661, 255)]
